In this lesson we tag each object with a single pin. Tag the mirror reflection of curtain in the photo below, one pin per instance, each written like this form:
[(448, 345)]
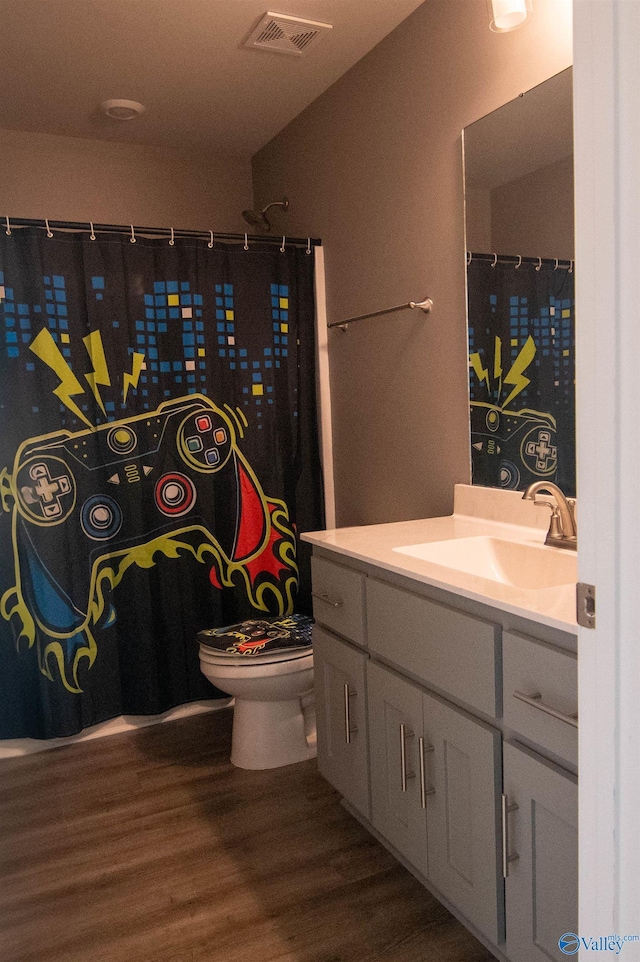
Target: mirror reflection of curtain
[(521, 373), (159, 451)]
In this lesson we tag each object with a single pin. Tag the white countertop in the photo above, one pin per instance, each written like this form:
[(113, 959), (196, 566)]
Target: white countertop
[(374, 544)]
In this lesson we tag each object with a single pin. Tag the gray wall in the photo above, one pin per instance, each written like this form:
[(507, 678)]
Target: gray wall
[(533, 215), (69, 178), (374, 168)]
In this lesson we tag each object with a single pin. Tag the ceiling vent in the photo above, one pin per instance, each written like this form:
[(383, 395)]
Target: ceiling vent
[(283, 34)]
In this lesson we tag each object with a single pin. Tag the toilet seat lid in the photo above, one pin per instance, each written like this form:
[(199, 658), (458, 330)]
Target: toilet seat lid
[(273, 639)]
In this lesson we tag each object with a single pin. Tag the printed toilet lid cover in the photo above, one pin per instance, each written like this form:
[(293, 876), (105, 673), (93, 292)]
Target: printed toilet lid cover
[(260, 636)]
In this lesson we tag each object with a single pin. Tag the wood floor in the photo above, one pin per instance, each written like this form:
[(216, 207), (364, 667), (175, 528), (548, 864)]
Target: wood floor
[(150, 847)]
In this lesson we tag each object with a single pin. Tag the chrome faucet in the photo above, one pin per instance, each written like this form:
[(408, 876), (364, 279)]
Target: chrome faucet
[(562, 531)]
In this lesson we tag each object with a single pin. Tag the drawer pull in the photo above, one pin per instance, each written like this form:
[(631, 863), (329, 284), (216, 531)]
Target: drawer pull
[(404, 774), (327, 600), (424, 791), (348, 730), (506, 858), (535, 701)]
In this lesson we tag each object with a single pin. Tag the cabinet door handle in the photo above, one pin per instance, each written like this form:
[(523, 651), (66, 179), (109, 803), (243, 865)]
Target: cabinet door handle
[(327, 600), (506, 857), (348, 730), (424, 791), (535, 701), (404, 774)]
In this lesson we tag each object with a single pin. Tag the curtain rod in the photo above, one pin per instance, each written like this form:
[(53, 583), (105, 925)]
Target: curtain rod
[(168, 232), (517, 260)]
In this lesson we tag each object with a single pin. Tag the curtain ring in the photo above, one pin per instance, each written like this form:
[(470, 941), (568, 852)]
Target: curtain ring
[(49, 232), (172, 241), (519, 264), (246, 243), (8, 230), (92, 235), (495, 260), (210, 244), (555, 263), (539, 264), (132, 239), (571, 267), (282, 248), (308, 250), (469, 257)]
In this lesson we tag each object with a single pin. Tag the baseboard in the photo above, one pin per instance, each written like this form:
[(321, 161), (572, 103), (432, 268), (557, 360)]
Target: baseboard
[(12, 747)]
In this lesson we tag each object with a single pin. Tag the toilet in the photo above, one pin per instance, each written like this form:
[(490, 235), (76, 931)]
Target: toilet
[(267, 665)]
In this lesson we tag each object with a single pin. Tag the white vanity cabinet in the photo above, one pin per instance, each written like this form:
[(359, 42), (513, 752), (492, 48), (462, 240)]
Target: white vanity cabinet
[(450, 730), (396, 740), (540, 804), (339, 673), (434, 793), (338, 599), (541, 694), (540, 798)]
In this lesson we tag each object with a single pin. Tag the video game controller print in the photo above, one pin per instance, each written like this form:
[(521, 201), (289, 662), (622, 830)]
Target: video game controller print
[(518, 446), (119, 494)]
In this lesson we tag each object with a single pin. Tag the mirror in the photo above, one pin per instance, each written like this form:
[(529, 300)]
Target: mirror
[(519, 229)]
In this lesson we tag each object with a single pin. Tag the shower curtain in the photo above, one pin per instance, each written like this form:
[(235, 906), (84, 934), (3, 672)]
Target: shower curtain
[(522, 372), (158, 453)]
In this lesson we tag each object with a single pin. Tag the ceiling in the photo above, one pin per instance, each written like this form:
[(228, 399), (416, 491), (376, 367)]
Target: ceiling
[(183, 59)]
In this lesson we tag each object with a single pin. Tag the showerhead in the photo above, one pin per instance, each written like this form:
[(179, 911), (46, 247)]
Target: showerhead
[(255, 219), (259, 218)]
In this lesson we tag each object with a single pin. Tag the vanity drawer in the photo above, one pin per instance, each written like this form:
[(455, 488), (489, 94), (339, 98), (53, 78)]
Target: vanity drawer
[(442, 647), (541, 694), (338, 599)]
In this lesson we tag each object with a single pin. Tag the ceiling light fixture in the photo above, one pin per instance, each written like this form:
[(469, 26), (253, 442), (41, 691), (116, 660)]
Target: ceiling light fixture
[(122, 109), (505, 15)]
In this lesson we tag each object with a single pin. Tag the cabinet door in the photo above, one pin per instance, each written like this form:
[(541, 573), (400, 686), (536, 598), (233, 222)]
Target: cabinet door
[(541, 887), (395, 731), (463, 785), (341, 717)]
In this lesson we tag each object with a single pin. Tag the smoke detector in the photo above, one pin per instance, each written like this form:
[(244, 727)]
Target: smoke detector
[(122, 109), (284, 34)]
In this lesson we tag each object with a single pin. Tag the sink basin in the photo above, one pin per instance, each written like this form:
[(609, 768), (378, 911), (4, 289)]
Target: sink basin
[(508, 562)]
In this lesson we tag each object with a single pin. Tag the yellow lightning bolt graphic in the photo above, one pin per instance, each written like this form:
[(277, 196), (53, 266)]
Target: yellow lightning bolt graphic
[(497, 364), (131, 380), (44, 347), (100, 373), (519, 366), (482, 373)]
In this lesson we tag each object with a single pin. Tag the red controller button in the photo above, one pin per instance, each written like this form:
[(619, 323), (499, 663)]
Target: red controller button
[(175, 494), (203, 423)]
